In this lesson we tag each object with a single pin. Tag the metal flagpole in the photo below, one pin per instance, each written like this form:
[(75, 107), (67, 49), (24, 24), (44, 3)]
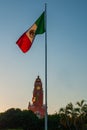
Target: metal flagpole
[(45, 66)]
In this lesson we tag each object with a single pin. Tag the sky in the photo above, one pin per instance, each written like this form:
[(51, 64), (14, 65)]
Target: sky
[(66, 53)]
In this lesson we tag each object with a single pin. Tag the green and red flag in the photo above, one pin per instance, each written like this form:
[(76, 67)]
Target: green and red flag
[(27, 38)]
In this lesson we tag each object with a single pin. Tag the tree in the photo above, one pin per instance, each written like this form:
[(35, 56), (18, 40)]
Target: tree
[(74, 117), (53, 122), (82, 113), (29, 120), (10, 118), (65, 118), (15, 118)]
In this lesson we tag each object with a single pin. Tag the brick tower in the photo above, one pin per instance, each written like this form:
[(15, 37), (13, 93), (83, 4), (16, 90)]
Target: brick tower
[(37, 100)]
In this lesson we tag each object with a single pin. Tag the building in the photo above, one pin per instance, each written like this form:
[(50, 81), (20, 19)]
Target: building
[(37, 105)]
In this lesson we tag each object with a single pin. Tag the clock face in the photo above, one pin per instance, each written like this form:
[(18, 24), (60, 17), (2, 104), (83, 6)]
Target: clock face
[(38, 87)]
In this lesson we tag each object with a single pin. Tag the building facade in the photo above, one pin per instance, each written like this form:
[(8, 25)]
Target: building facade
[(37, 105)]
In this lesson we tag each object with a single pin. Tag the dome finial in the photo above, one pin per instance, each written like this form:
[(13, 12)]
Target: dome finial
[(38, 76)]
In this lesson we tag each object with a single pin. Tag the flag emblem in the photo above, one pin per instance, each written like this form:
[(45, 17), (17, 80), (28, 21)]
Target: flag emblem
[(32, 33)]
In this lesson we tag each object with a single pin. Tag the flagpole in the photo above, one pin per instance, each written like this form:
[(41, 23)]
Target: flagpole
[(45, 66)]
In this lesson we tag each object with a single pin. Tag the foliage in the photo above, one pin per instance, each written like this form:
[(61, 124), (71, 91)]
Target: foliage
[(15, 118), (69, 118), (53, 122), (74, 118)]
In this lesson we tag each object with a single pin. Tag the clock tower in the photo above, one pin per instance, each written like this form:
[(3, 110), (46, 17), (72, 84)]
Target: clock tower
[(37, 100)]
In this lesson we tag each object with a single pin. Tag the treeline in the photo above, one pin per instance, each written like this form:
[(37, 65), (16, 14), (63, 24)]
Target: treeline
[(67, 118)]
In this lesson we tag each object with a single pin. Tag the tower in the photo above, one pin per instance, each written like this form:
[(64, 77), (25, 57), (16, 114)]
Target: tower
[(37, 100)]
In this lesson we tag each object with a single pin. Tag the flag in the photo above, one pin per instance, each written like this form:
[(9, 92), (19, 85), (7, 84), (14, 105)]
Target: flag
[(27, 38)]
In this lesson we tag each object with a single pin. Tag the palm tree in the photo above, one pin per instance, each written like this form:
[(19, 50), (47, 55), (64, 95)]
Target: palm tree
[(82, 107), (66, 115), (82, 111), (63, 117), (74, 117)]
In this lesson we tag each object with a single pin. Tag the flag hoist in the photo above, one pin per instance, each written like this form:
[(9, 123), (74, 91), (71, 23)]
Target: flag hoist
[(26, 40)]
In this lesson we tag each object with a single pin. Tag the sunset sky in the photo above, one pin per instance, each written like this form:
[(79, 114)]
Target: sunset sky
[(67, 52)]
